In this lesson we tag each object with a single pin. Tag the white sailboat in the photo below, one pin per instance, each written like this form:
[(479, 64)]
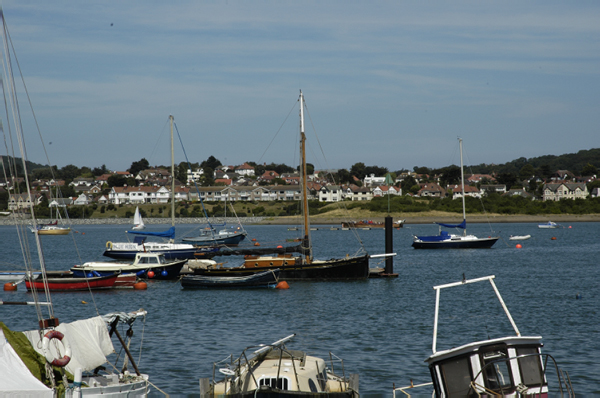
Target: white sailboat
[(171, 250), (446, 240), (138, 222)]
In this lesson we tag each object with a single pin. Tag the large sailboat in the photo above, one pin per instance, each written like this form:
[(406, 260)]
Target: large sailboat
[(170, 249), (445, 240), (304, 266)]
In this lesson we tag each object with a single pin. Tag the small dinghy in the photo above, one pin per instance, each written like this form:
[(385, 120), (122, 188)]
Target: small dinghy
[(519, 237)]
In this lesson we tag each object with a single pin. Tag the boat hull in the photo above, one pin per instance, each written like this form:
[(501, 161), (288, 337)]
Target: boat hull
[(349, 268), (67, 281), (53, 231), (480, 243), (129, 252), (232, 240), (159, 271), (267, 279)]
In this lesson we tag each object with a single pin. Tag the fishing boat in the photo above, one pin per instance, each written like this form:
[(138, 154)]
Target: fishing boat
[(67, 281), (171, 250), (548, 225), (56, 359), (519, 237), (273, 370), (445, 240), (146, 265), (304, 266), (511, 366), (266, 279), (138, 221)]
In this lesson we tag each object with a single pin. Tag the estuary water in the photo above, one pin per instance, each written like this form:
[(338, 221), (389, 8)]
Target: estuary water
[(382, 328)]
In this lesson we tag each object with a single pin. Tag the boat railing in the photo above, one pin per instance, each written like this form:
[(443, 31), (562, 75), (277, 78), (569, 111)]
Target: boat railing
[(562, 378), (405, 389)]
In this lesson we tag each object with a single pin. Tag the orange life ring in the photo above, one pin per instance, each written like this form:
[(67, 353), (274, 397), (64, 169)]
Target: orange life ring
[(60, 362)]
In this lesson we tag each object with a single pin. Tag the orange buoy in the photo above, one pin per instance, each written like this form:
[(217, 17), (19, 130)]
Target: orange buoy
[(553, 238), (150, 274), (10, 287), (254, 240), (280, 247), (282, 285), (518, 246), (140, 285), (256, 244), (570, 227)]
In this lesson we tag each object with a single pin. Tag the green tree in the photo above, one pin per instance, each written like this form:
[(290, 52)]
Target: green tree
[(527, 172), (138, 166), (211, 162), (116, 180), (358, 170), (69, 172), (589, 170)]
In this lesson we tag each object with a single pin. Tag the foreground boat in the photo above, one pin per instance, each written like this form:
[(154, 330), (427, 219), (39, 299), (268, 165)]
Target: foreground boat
[(303, 267), (67, 281), (266, 279), (445, 240), (145, 265), (511, 366), (273, 371), (55, 359)]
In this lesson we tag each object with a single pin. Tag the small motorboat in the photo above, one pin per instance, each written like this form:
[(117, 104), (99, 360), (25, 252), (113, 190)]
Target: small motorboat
[(549, 224), (519, 237), (271, 370), (67, 281), (145, 265), (266, 279)]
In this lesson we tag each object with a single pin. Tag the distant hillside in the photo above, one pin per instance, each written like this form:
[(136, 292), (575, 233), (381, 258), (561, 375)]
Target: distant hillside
[(19, 165), (574, 162)]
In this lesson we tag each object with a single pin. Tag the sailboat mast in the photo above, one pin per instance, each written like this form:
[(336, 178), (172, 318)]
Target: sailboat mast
[(303, 173), (172, 175), (462, 184)]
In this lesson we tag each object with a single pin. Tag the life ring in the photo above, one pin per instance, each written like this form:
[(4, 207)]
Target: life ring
[(109, 245), (60, 362)]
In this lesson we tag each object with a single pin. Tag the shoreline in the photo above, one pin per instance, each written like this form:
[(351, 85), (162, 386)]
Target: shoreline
[(412, 218)]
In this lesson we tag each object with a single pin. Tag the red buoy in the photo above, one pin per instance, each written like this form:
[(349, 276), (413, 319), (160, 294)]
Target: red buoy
[(553, 238), (150, 274), (518, 246), (141, 285), (282, 285), (10, 287)]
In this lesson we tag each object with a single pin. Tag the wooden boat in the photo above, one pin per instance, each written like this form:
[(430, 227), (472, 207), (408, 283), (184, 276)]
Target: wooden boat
[(15, 276), (67, 281), (511, 366), (273, 371), (445, 240), (266, 279), (519, 237), (145, 265), (548, 225), (370, 224), (303, 267)]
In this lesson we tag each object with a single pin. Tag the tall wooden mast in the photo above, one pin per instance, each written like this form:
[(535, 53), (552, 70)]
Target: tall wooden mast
[(306, 242), (172, 176)]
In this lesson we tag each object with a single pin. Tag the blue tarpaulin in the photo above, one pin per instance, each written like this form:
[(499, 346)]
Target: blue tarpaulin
[(462, 225), (170, 233)]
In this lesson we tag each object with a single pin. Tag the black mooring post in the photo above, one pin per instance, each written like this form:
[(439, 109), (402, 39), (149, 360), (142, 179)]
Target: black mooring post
[(389, 245)]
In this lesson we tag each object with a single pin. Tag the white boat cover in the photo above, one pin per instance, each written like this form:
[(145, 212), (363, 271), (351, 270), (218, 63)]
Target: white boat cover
[(15, 379), (89, 341)]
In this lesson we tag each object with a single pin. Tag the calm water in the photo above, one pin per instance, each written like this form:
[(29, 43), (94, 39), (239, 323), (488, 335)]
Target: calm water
[(381, 328)]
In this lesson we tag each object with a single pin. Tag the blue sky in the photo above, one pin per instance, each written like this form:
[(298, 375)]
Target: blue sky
[(389, 83)]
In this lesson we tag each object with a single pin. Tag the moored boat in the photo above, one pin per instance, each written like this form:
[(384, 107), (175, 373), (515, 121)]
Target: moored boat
[(273, 371), (519, 237), (67, 281), (548, 225), (145, 265), (445, 240), (266, 279), (304, 266), (368, 224)]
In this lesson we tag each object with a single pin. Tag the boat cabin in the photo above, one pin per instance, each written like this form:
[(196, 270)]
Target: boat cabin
[(509, 366), (149, 259)]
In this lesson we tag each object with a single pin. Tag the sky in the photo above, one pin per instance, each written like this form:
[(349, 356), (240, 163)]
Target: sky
[(387, 83)]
